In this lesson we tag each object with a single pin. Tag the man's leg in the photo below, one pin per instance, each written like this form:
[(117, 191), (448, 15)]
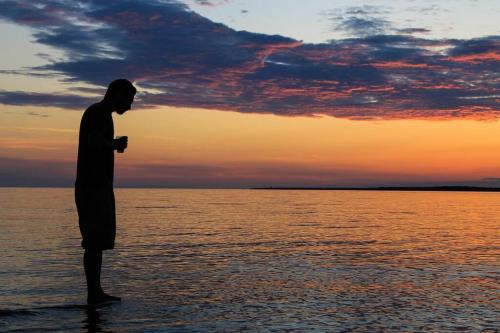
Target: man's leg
[(92, 260), (99, 273)]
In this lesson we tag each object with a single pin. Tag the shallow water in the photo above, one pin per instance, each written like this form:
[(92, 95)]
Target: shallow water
[(257, 261)]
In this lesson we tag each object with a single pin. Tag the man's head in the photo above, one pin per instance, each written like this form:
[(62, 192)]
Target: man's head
[(121, 94)]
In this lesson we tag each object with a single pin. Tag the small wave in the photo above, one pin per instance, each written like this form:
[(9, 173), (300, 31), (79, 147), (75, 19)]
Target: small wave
[(16, 313), (302, 213), (154, 207), (353, 227), (64, 307), (277, 244), (227, 203), (402, 212), (305, 225), (39, 310), (195, 234), (334, 242)]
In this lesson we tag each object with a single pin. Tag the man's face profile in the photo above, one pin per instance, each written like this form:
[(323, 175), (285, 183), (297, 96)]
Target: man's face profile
[(124, 103)]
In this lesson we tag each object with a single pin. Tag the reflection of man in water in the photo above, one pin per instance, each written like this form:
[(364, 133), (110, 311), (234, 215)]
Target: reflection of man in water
[(94, 196)]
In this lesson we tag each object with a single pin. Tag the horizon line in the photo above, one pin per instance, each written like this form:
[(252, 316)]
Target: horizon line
[(437, 188)]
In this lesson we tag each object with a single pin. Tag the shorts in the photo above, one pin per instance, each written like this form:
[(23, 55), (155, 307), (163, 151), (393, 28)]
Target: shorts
[(96, 217)]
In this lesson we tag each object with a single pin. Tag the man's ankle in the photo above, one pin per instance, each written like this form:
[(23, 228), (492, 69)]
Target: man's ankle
[(93, 295)]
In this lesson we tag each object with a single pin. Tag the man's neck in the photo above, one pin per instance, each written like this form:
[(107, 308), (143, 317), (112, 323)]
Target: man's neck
[(108, 105)]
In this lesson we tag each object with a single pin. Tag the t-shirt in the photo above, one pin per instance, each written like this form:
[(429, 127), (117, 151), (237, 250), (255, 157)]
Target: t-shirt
[(95, 165)]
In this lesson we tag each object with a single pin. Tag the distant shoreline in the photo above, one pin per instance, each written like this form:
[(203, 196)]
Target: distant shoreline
[(391, 188)]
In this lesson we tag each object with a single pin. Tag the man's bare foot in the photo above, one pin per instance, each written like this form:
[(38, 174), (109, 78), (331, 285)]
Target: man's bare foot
[(109, 298), (102, 298)]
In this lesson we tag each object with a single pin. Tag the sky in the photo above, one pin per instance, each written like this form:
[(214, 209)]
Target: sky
[(248, 93)]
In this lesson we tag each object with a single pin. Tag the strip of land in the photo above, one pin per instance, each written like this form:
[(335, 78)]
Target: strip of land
[(391, 188)]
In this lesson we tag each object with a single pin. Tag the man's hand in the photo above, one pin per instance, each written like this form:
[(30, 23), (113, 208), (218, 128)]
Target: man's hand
[(120, 144)]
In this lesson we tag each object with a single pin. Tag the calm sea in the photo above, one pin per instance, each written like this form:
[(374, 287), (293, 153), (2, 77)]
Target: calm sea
[(257, 261)]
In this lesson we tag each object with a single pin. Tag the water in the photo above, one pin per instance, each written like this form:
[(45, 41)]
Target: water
[(257, 261)]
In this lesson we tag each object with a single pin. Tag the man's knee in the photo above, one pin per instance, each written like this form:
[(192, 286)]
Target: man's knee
[(94, 253)]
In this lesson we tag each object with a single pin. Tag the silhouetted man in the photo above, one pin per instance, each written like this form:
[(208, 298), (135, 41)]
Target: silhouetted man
[(94, 195)]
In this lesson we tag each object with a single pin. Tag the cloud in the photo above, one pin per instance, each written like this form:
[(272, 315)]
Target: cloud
[(31, 172), (38, 172), (211, 3), (44, 99), (412, 31), (44, 129), (35, 172), (491, 179), (430, 10), (360, 21), (359, 26), (37, 114), (179, 58)]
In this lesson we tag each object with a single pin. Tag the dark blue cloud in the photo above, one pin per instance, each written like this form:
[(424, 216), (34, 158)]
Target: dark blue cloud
[(411, 31), (360, 26), (179, 58), (44, 99), (360, 21), (477, 46)]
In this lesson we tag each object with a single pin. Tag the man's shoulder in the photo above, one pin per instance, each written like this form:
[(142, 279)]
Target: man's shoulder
[(94, 112), (95, 108)]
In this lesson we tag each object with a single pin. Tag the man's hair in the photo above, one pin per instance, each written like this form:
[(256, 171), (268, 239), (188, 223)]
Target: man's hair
[(120, 86)]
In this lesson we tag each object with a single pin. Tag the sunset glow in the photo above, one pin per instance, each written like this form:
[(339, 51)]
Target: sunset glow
[(372, 102)]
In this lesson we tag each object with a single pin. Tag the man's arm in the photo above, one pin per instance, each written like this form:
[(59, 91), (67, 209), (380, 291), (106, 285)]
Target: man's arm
[(97, 140), (97, 135)]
